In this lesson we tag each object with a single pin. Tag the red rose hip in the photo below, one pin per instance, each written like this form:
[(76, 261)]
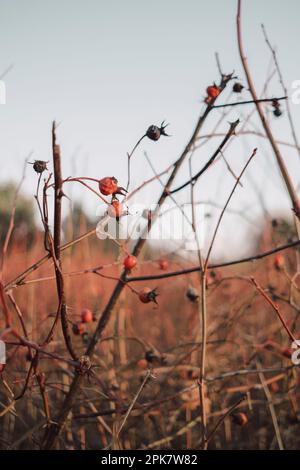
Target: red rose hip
[(86, 316), (213, 91), (108, 185), (130, 262), (147, 295)]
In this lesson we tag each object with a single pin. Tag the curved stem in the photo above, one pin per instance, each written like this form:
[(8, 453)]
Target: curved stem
[(280, 161)]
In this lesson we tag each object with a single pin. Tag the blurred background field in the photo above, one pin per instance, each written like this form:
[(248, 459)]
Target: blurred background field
[(243, 333)]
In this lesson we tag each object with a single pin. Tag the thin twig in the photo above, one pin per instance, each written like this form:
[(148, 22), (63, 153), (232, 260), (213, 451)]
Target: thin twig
[(62, 307), (271, 407), (221, 420), (275, 308), (225, 207), (193, 179), (283, 87), (136, 397), (262, 100), (194, 269), (280, 161)]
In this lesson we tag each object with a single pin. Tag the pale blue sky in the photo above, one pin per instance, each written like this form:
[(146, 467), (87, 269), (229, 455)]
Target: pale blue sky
[(106, 70)]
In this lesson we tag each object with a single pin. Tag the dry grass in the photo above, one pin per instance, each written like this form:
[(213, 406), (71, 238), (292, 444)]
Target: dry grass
[(243, 331)]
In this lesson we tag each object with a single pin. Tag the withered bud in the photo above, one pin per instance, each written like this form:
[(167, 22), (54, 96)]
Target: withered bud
[(276, 105), (154, 132), (150, 356), (39, 166), (147, 295), (28, 357), (192, 294), (84, 365), (237, 87), (277, 112), (78, 328)]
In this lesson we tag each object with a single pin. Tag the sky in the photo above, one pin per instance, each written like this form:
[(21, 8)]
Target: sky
[(105, 71)]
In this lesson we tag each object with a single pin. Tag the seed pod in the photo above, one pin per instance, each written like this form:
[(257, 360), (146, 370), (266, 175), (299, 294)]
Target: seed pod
[(78, 328), (240, 418), (276, 105), (192, 294), (149, 355), (153, 357), (130, 262), (277, 112), (154, 132), (86, 316), (279, 262), (39, 166), (147, 295), (213, 91), (142, 364), (108, 185), (163, 264), (237, 87), (84, 365), (28, 357)]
